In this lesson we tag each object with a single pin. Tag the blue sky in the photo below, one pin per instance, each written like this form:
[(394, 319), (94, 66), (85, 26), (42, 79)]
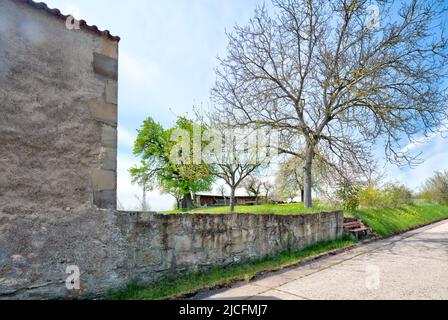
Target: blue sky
[(167, 59)]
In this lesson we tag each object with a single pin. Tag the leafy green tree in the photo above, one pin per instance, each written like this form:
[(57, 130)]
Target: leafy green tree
[(160, 168)]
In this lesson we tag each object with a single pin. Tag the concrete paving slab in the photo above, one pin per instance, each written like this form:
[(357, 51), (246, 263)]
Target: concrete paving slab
[(409, 266), (276, 295), (239, 293)]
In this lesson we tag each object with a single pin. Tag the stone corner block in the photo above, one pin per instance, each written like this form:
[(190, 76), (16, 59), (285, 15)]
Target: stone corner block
[(105, 66), (105, 199), (111, 92), (104, 112), (109, 137), (104, 180), (108, 159)]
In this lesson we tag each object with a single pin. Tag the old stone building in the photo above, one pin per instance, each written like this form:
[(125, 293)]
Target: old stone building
[(59, 110), (58, 145), (58, 138)]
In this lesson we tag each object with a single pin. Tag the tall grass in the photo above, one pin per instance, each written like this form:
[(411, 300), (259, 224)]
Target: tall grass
[(389, 221), (185, 284), (281, 209)]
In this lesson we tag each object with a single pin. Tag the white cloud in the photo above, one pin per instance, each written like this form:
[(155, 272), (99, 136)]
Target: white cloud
[(125, 138), (420, 142), (435, 155), (137, 71)]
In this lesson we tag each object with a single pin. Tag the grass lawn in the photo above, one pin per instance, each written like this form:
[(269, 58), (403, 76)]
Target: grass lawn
[(387, 222), (281, 209), (186, 284)]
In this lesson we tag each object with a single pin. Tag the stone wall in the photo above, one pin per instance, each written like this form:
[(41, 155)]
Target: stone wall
[(168, 244), (113, 249)]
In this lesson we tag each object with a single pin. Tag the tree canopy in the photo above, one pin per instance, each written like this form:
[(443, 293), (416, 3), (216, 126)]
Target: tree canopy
[(334, 83), (158, 150)]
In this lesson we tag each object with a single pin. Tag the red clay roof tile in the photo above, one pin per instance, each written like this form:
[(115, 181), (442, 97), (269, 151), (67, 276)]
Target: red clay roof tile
[(82, 23)]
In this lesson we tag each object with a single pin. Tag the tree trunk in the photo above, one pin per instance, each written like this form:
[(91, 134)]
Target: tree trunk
[(225, 200), (302, 195), (308, 183), (187, 201), (232, 199), (144, 206)]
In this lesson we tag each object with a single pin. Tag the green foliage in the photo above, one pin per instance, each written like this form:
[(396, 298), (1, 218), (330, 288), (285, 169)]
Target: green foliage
[(396, 195), (435, 188), (389, 221), (392, 195), (370, 197), (280, 209), (348, 194), (155, 146)]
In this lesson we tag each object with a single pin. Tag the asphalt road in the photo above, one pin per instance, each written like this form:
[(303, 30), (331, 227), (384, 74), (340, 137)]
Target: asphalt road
[(410, 266)]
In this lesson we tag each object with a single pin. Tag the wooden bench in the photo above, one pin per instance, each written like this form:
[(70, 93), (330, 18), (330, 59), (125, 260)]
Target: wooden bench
[(357, 228)]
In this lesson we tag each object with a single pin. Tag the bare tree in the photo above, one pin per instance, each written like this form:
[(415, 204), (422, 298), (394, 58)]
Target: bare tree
[(223, 191), (289, 180), (334, 83), (435, 189), (253, 187), (290, 175), (239, 156), (234, 175), (143, 204), (267, 187)]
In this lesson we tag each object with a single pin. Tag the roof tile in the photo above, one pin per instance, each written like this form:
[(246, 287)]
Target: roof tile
[(57, 13)]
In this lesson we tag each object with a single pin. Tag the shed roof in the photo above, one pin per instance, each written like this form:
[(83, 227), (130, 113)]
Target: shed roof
[(220, 196)]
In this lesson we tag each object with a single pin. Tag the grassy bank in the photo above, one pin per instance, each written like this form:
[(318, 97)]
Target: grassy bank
[(186, 284), (384, 221), (387, 222), (281, 209)]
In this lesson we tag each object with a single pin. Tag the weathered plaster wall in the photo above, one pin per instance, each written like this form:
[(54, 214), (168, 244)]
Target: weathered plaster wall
[(58, 105), (58, 119)]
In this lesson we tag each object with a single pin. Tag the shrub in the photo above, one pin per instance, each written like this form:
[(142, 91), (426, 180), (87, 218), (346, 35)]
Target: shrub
[(435, 189), (392, 195), (348, 194), (370, 197), (395, 195)]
